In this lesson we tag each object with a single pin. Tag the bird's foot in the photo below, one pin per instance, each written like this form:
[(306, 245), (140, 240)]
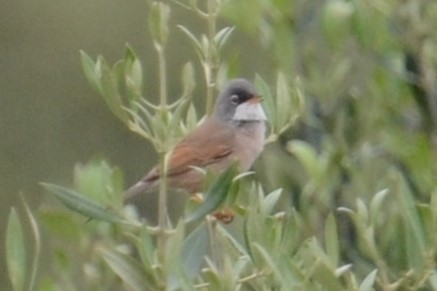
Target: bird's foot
[(226, 215), (197, 198)]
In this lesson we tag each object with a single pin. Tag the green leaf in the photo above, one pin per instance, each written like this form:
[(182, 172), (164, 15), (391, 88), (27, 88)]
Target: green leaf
[(270, 201), (326, 277), (223, 35), (231, 244), (331, 240), (173, 130), (368, 282), (128, 270), (415, 232), (192, 119), (343, 269), (283, 102), (134, 79), (79, 203), (192, 256), (215, 194), (100, 182), (194, 249), (111, 93), (15, 251), (269, 105), (307, 156), (36, 243), (61, 224), (269, 261), (188, 79), (158, 22), (432, 280), (146, 249), (132, 74), (89, 68), (376, 203), (194, 40)]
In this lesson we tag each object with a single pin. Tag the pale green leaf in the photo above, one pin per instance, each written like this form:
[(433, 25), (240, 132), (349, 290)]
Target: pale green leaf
[(307, 156), (128, 270), (79, 203), (376, 203), (16, 251), (369, 281), (283, 102), (215, 195), (331, 240), (36, 244), (158, 22), (111, 93), (269, 202), (89, 68)]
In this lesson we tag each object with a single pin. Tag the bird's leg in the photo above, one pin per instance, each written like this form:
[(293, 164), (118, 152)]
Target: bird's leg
[(197, 197), (225, 215)]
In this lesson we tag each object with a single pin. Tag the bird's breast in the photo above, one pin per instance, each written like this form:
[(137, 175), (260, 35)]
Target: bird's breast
[(250, 140)]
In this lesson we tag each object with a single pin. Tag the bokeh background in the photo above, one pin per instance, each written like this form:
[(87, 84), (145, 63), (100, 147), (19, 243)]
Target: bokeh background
[(367, 69)]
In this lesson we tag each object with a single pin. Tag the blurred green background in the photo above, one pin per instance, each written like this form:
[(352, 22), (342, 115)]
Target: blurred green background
[(368, 71)]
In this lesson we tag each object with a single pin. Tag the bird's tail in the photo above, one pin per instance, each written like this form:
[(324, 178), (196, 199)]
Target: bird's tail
[(139, 187)]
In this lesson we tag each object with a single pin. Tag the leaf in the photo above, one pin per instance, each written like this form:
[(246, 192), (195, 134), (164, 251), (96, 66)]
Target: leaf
[(188, 79), (158, 22), (270, 201), (15, 251), (269, 105), (375, 204), (326, 277), (194, 249), (146, 249), (433, 279), (415, 231), (194, 40), (223, 35), (128, 270), (192, 256), (132, 72), (111, 93), (283, 102), (216, 194), (61, 224), (173, 127), (331, 240), (307, 156), (231, 244), (36, 243), (343, 269), (269, 261), (88, 67), (368, 282), (192, 120), (134, 79), (100, 182), (79, 203)]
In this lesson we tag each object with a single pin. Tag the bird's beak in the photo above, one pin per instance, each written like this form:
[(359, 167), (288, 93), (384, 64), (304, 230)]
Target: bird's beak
[(255, 100)]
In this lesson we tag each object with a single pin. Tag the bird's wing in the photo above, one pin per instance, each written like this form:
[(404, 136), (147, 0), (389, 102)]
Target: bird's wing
[(208, 144)]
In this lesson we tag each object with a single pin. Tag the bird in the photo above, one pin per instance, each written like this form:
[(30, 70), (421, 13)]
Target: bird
[(235, 131)]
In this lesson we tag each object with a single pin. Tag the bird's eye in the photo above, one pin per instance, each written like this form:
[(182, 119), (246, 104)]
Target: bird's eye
[(234, 99)]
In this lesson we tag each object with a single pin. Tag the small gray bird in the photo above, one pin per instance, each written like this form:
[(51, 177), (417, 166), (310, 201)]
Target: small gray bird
[(235, 131)]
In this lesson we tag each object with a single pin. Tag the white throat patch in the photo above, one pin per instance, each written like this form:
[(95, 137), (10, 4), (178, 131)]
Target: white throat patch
[(249, 111)]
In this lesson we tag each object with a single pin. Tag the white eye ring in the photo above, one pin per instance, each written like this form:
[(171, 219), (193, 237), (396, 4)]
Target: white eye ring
[(234, 99)]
